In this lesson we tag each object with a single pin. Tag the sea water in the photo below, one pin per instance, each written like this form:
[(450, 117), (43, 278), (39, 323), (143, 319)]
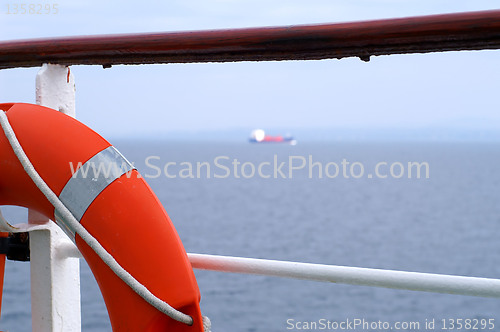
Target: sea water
[(447, 221)]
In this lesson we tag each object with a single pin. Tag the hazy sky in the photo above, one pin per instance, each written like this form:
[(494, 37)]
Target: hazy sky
[(456, 89)]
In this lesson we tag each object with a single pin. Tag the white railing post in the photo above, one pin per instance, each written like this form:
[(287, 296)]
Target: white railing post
[(55, 278), (55, 88)]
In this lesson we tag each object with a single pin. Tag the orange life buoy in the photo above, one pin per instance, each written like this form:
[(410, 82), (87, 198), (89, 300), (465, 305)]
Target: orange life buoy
[(120, 210)]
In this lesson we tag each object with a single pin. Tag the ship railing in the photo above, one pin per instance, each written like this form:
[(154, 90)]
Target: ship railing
[(55, 279)]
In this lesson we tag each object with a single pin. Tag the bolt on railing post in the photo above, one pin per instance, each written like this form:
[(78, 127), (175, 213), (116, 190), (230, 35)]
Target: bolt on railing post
[(55, 279)]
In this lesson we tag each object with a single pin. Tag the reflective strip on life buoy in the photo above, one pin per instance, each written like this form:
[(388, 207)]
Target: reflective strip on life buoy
[(116, 206), (89, 180)]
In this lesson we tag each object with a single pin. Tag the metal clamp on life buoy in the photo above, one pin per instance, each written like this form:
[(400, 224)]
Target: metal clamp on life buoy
[(112, 206)]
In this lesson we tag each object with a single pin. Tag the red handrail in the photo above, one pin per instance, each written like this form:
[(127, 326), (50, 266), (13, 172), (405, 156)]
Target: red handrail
[(435, 33)]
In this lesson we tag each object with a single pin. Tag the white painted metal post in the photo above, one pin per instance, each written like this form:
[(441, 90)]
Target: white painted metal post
[(55, 278), (55, 88)]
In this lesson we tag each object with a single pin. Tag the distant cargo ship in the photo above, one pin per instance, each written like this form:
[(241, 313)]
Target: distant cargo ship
[(259, 136)]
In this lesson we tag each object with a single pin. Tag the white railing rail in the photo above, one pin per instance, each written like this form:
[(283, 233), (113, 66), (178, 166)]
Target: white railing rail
[(404, 280), (425, 282)]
